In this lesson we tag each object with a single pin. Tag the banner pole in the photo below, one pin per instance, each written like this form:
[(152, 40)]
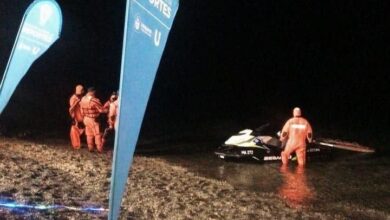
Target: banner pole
[(12, 52), (114, 208)]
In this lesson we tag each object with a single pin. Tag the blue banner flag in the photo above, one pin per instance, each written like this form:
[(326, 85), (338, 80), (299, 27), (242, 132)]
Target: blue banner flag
[(40, 28), (147, 26)]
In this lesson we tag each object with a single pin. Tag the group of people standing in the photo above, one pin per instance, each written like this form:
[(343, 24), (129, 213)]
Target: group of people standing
[(85, 111)]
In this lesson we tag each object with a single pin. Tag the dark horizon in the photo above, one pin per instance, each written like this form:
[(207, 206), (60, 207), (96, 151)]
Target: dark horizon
[(225, 63)]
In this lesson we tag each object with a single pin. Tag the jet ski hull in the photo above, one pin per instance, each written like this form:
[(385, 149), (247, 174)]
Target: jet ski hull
[(265, 153)]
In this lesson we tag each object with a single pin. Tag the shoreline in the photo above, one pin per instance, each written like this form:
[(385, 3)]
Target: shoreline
[(157, 189)]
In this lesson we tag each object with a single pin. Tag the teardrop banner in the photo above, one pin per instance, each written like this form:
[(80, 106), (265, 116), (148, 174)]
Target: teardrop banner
[(40, 28), (147, 26)]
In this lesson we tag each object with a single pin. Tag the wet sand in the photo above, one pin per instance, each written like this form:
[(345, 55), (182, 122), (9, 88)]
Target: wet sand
[(346, 185), (51, 172)]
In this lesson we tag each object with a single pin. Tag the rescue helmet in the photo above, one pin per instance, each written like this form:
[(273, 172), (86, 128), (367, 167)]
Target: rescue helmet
[(297, 112), (79, 90)]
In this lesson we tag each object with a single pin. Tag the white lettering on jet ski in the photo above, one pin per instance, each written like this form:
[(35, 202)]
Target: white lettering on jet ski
[(247, 152), (268, 158)]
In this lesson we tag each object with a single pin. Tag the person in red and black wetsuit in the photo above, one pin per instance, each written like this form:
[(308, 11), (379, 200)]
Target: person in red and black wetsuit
[(111, 107)]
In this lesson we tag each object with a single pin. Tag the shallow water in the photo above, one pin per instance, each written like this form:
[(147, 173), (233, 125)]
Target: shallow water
[(349, 186), (353, 185)]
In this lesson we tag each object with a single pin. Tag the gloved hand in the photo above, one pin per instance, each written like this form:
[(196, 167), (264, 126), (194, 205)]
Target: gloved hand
[(283, 145)]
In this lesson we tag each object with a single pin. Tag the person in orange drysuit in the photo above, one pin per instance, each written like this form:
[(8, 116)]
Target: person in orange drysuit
[(91, 108), (77, 127), (296, 131)]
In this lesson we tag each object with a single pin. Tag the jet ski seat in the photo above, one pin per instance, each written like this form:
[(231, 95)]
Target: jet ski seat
[(272, 141)]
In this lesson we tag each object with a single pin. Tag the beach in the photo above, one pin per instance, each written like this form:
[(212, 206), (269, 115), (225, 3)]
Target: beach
[(52, 173)]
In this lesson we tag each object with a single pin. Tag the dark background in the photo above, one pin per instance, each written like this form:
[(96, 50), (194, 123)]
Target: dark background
[(228, 65)]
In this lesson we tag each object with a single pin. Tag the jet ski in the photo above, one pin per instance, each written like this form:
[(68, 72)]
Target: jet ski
[(259, 145)]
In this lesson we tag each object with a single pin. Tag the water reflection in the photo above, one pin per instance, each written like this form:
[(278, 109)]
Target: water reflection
[(321, 186), (295, 189)]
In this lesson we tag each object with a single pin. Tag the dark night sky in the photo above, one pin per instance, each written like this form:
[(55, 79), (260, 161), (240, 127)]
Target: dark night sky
[(235, 61)]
